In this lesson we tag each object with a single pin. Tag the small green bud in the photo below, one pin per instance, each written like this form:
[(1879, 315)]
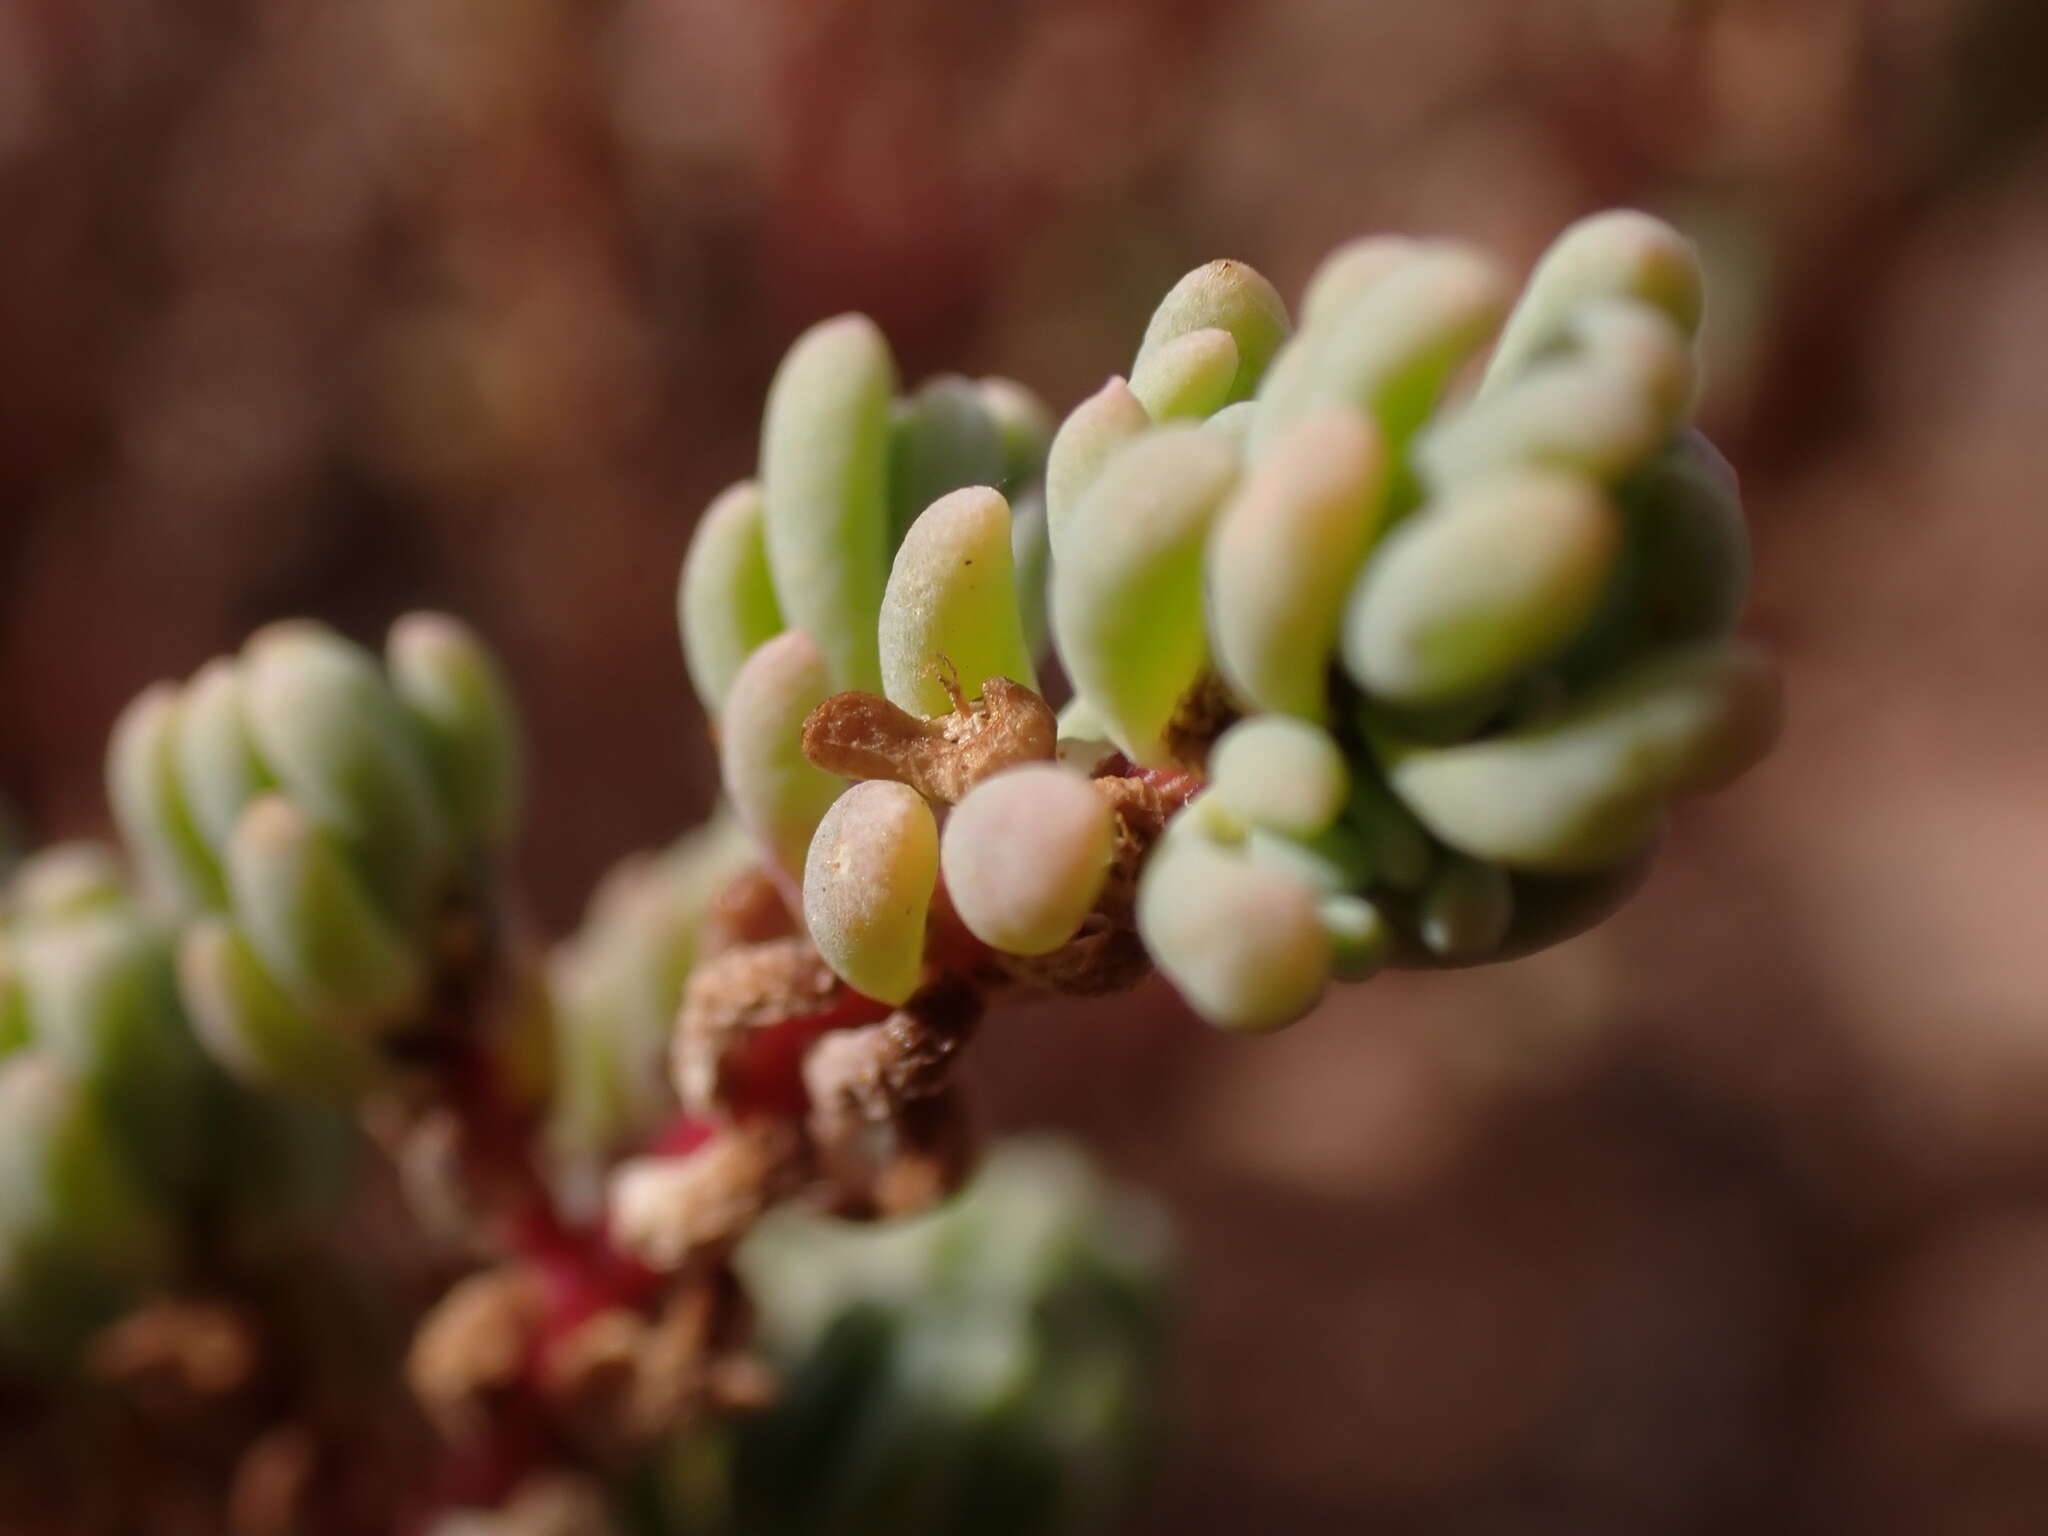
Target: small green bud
[(1025, 855), (1466, 909), (1565, 414), (940, 439), (1280, 773), (1392, 352), (1025, 427), (346, 753), (149, 807), (313, 922), (1684, 562), (1361, 938), (1127, 601), (868, 883), (1585, 790), (99, 997), (66, 881), (15, 1030), (1397, 846), (219, 771), (617, 983), (1233, 424), (1244, 943), (952, 600), (1284, 555), (1086, 441), (1031, 557), (1620, 253), (1480, 588), (1230, 296), (248, 1024), (825, 484), (778, 793), (75, 1225), (1330, 863), (451, 686), (1189, 376), (1644, 345), (725, 601), (1344, 276)]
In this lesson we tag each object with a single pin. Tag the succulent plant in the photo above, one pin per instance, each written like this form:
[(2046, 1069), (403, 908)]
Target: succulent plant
[(1378, 654), (1424, 649), (993, 1366), (119, 1141), (314, 820)]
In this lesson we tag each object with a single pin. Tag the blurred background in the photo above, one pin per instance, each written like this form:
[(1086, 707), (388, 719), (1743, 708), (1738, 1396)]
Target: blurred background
[(1731, 1216)]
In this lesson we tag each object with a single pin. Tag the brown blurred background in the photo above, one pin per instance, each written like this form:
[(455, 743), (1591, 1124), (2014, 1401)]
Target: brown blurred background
[(1733, 1216)]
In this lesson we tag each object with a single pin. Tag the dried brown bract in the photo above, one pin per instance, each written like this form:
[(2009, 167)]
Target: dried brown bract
[(890, 1120), (732, 999), (670, 1211), (621, 1381), (469, 1356), (175, 1357), (864, 736), (1205, 712)]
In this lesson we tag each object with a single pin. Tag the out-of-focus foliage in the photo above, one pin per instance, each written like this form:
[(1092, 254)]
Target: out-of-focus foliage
[(994, 1367)]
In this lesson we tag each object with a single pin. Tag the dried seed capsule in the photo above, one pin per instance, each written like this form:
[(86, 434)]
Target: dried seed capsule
[(1466, 909), (1585, 790), (1226, 295), (1086, 441), (1480, 588), (1025, 856), (1343, 276), (1025, 427), (345, 751), (1243, 943), (1189, 376), (219, 771), (952, 602), (451, 686), (777, 791), (825, 484), (1127, 602), (940, 439), (1285, 552), (1031, 557), (1393, 351), (313, 922), (725, 600), (255, 1031), (1280, 773), (1620, 253), (149, 807), (868, 886)]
